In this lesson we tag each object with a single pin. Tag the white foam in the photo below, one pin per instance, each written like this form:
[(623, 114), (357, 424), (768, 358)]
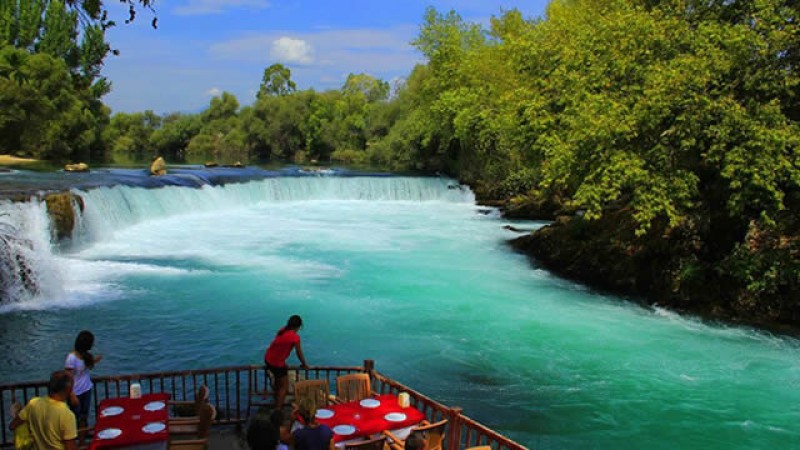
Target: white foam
[(131, 223)]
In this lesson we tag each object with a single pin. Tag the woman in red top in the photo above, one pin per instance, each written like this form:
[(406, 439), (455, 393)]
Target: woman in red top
[(278, 352)]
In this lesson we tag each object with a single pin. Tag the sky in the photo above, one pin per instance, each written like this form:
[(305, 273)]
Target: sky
[(202, 48)]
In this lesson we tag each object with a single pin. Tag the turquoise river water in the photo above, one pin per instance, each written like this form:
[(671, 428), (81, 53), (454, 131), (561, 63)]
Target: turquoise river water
[(409, 273)]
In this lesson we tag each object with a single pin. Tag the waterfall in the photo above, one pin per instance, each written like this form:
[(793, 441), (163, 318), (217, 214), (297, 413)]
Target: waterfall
[(27, 268), (29, 263)]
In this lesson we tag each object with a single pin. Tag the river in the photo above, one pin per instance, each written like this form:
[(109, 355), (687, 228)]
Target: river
[(409, 272)]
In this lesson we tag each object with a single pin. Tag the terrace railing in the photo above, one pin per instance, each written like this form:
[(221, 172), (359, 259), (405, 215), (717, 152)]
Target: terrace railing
[(236, 391)]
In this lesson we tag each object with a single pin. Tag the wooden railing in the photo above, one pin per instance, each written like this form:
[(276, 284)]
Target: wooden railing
[(235, 391), (462, 432)]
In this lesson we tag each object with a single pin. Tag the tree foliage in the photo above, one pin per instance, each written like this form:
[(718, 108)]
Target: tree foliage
[(277, 80), (50, 80), (683, 114), (677, 114)]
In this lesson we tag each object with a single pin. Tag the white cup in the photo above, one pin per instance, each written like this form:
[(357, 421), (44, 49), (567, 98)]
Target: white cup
[(136, 390), (403, 400)]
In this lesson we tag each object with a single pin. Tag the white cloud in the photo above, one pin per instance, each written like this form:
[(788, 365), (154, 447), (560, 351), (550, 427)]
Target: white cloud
[(198, 7), (214, 92), (158, 72), (291, 51), (352, 50)]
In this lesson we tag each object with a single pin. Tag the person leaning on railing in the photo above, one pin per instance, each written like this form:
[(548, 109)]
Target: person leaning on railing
[(51, 424), (78, 364), (278, 352)]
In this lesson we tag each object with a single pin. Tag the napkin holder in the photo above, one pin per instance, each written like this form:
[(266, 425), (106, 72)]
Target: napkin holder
[(403, 400), (135, 390)]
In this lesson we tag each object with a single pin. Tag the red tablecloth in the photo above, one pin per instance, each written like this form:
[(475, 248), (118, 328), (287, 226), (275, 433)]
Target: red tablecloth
[(369, 421), (131, 421)]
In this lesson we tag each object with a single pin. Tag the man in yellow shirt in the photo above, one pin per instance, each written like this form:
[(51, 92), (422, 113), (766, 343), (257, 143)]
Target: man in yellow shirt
[(51, 423)]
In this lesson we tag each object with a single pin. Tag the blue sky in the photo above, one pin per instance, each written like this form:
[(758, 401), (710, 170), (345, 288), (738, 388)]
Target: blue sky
[(204, 47)]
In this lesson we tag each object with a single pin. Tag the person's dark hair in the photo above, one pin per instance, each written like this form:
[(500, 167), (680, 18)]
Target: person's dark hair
[(276, 418), (294, 323), (60, 381), (84, 343), (263, 434), (415, 441)]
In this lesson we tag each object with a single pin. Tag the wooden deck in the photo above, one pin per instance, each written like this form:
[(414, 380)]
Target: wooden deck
[(236, 392)]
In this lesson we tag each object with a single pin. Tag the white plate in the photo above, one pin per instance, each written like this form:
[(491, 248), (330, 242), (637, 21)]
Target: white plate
[(154, 427), (154, 406), (109, 433), (395, 417), (112, 411), (370, 403), (344, 430), (324, 413)]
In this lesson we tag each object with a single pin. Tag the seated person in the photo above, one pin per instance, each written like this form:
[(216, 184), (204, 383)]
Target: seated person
[(52, 425), (262, 434), (284, 425), (416, 441), (314, 436)]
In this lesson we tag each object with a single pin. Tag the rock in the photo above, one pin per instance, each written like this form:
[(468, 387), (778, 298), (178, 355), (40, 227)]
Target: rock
[(532, 209), (61, 208), (79, 167), (158, 167), (211, 164), (514, 229)]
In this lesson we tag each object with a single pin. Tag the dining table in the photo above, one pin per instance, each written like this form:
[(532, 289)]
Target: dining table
[(132, 423), (369, 417)]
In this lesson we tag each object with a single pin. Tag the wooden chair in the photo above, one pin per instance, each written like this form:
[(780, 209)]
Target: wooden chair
[(317, 391), (480, 447), (433, 432), (194, 427), (190, 408), (352, 387), (189, 444), (199, 425), (371, 444)]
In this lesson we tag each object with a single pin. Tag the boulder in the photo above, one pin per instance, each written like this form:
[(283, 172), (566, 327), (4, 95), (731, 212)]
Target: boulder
[(211, 164), (514, 229), (158, 167), (61, 208), (79, 167)]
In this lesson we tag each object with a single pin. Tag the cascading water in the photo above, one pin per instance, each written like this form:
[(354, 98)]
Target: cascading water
[(30, 269), (108, 209), (27, 269)]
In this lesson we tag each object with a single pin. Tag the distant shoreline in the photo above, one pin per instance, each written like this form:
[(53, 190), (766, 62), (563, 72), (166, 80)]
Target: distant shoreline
[(6, 160)]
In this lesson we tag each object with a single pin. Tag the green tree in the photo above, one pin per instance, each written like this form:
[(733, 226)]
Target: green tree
[(277, 80), (174, 135), (131, 133), (43, 116)]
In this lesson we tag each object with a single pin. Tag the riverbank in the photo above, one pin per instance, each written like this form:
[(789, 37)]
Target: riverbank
[(681, 268)]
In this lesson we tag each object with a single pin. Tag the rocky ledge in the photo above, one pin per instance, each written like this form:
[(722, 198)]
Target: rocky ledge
[(677, 268)]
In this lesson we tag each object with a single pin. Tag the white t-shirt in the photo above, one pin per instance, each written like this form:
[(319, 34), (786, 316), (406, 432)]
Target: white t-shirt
[(80, 374)]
